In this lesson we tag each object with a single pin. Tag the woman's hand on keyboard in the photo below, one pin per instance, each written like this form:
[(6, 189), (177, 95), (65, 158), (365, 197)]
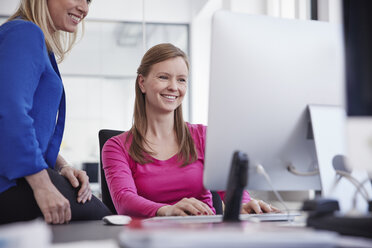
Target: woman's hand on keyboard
[(258, 207), (185, 207)]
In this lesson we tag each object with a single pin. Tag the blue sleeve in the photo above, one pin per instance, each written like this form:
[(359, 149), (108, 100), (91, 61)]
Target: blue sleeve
[(22, 62)]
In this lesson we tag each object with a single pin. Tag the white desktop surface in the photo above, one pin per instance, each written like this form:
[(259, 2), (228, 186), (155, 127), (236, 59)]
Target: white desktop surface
[(97, 234), (245, 234), (107, 243)]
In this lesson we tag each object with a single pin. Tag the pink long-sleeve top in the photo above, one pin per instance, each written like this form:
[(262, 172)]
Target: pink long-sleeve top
[(139, 190)]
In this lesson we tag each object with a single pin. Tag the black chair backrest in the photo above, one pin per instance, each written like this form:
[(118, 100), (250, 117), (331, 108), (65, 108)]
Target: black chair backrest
[(103, 136)]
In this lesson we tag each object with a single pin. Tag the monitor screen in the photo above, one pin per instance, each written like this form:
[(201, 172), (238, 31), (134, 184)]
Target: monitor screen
[(358, 39), (264, 73)]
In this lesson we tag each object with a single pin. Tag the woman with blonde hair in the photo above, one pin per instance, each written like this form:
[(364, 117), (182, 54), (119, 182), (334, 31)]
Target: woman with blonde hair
[(35, 180), (156, 168)]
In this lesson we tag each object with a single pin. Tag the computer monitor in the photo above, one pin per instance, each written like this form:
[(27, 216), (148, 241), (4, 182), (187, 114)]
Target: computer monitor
[(264, 73)]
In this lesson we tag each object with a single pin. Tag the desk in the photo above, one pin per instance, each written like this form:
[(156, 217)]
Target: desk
[(97, 230), (84, 230), (96, 234)]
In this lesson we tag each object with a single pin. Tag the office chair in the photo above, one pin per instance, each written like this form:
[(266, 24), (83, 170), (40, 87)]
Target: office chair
[(103, 136)]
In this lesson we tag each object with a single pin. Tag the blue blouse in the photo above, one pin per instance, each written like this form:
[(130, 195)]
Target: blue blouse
[(31, 97)]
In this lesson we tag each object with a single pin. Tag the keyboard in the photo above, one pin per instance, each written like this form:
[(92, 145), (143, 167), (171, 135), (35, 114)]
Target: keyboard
[(218, 218)]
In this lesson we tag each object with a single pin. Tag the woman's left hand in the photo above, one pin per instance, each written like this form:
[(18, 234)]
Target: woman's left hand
[(258, 207), (76, 178)]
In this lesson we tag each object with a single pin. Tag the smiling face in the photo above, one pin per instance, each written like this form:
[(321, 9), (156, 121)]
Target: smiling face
[(165, 85), (67, 14)]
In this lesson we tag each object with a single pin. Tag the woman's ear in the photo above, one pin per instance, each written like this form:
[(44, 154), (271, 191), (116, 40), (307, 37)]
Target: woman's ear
[(141, 81)]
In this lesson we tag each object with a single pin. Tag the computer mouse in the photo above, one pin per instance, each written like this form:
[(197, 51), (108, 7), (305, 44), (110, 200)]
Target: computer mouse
[(117, 219)]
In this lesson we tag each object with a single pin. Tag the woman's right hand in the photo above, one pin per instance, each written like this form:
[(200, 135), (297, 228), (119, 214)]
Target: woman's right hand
[(53, 205), (187, 206)]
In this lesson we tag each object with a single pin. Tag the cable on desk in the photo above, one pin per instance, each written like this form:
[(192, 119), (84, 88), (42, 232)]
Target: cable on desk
[(358, 190), (291, 168), (359, 186)]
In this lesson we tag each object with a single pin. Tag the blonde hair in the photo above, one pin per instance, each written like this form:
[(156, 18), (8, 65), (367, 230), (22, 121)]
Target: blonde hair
[(36, 11), (187, 151)]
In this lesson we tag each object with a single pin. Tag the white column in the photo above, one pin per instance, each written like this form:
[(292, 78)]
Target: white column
[(273, 8), (330, 11), (335, 11), (323, 10), (302, 9), (200, 60), (288, 9), (257, 7)]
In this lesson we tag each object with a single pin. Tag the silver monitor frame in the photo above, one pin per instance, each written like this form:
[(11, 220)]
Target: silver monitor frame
[(264, 73)]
